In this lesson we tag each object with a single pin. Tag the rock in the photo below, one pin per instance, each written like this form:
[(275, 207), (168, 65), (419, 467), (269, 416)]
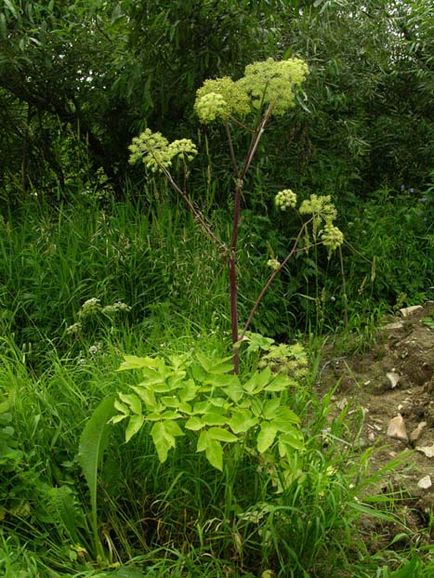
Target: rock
[(416, 433), (396, 428), (408, 311), (427, 450), (393, 378), (394, 326), (424, 483)]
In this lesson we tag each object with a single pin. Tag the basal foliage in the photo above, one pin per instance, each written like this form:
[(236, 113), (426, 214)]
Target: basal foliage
[(200, 394)]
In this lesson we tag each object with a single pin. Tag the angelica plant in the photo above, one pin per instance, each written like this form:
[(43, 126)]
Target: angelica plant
[(267, 89)]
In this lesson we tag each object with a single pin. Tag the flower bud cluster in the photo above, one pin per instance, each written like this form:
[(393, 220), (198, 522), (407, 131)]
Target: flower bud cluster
[(285, 199), (156, 151)]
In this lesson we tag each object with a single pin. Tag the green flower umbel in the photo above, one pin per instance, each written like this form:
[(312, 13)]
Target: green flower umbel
[(268, 83), (156, 151)]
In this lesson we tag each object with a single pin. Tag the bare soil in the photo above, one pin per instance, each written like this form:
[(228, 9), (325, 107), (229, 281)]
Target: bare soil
[(405, 351)]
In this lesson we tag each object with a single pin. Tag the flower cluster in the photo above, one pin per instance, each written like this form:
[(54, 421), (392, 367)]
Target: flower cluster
[(74, 329), (332, 237), (117, 307), (221, 98), (323, 213), (285, 199), (274, 264), (264, 83), (272, 83), (156, 151), (90, 307)]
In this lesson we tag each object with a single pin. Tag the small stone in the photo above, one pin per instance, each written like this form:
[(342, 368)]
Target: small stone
[(342, 404), (396, 428), (426, 450), (416, 433), (371, 437), (424, 483), (408, 311), (393, 378), (394, 326)]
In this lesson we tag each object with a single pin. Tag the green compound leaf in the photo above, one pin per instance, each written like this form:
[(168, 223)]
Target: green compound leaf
[(266, 437)]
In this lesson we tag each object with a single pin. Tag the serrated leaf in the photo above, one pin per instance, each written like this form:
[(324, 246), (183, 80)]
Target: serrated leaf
[(173, 429), (242, 421), (219, 402), (270, 408), (222, 435), (133, 401), (146, 394), (293, 439), (185, 407), (188, 392), (163, 441), (134, 425), (194, 424), (214, 418), (134, 362), (214, 454), (201, 407), (121, 407), (234, 392), (285, 416), (258, 381), (215, 366), (280, 383), (118, 418), (266, 437), (202, 442), (170, 401)]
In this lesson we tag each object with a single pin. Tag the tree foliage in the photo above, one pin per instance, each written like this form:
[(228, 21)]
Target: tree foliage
[(81, 78)]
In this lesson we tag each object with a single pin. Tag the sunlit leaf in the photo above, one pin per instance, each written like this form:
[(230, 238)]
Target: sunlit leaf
[(214, 454), (266, 437), (134, 425), (222, 435)]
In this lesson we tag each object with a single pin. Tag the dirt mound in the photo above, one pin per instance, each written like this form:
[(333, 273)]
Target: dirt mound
[(393, 383)]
